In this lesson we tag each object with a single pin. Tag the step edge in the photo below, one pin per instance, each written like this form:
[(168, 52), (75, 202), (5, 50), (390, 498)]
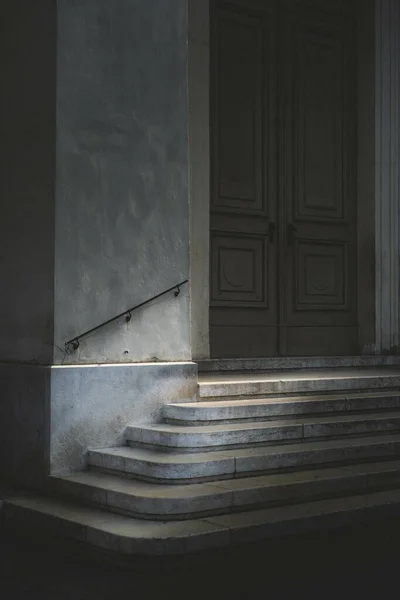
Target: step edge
[(360, 506)]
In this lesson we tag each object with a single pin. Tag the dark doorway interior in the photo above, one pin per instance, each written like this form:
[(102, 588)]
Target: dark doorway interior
[(283, 169)]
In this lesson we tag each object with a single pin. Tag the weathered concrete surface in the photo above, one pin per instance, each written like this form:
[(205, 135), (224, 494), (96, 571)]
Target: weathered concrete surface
[(290, 362), (95, 219), (92, 405), (94, 179), (122, 205), (166, 467), (50, 416)]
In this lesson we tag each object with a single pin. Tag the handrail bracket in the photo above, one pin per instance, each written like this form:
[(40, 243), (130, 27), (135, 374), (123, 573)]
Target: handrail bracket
[(73, 344)]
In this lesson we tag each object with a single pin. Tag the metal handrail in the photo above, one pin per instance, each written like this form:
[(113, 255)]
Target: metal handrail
[(73, 344)]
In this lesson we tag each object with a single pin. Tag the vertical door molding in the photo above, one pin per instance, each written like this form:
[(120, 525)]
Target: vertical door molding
[(387, 175), (199, 173)]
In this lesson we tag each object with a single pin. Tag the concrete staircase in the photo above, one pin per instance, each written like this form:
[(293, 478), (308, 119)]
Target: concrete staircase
[(258, 455)]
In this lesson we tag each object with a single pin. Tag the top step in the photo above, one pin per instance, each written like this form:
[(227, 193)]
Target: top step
[(297, 362), (298, 381)]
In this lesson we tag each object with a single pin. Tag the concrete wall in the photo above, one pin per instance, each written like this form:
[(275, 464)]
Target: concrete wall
[(117, 231), (95, 219), (50, 416), (27, 101), (122, 223), (91, 405)]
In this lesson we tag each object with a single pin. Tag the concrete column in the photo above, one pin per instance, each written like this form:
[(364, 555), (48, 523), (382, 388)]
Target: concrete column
[(387, 175), (95, 220), (199, 156)]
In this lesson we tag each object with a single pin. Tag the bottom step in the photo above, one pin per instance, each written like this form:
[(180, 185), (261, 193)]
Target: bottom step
[(130, 536)]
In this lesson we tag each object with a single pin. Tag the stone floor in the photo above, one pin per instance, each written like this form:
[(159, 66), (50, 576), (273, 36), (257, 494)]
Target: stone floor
[(360, 561), (357, 562)]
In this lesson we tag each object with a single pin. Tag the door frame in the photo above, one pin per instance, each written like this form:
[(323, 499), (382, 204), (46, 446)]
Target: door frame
[(377, 189), (387, 162)]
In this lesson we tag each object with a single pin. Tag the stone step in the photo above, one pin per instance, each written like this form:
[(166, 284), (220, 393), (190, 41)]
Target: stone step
[(298, 381), (129, 536), (296, 362), (195, 413), (171, 502), (197, 438), (153, 465)]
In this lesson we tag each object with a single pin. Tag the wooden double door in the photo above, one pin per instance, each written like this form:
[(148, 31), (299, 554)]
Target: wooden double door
[(283, 252)]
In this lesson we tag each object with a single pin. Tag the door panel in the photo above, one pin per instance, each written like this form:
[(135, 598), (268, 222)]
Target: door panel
[(318, 133), (243, 307), (238, 132), (318, 266)]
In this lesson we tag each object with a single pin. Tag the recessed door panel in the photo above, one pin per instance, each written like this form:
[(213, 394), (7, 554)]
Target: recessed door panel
[(243, 243)]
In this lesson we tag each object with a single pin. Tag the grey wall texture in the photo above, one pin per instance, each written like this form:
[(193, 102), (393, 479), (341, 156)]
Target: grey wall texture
[(122, 222), (27, 163), (94, 181), (50, 416), (91, 405), (94, 220)]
